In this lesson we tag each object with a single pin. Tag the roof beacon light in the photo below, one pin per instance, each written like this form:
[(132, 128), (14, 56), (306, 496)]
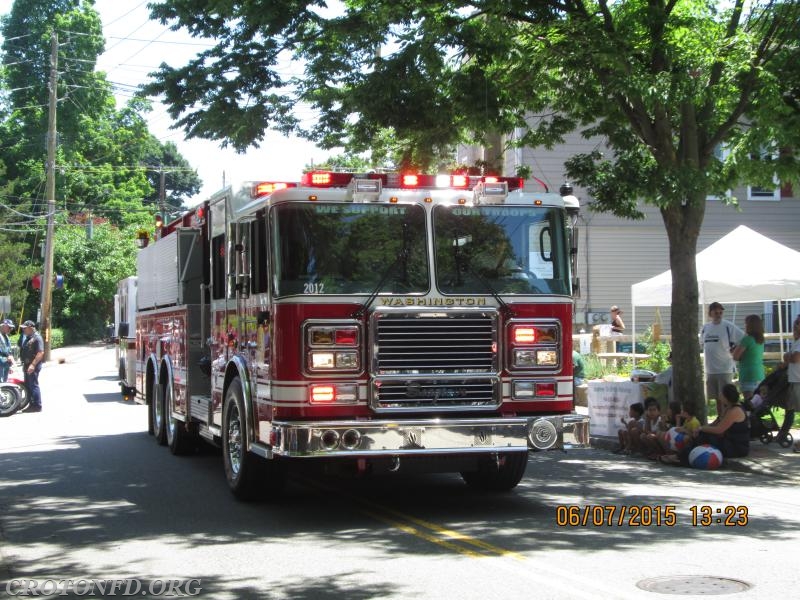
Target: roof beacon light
[(460, 181), (265, 188), (326, 179), (410, 180), (491, 192)]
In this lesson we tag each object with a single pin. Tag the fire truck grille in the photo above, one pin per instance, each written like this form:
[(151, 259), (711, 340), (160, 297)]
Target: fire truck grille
[(435, 343), (435, 361), (435, 394)]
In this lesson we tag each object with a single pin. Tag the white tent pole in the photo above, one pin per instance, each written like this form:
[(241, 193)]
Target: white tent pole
[(633, 325), (780, 327)]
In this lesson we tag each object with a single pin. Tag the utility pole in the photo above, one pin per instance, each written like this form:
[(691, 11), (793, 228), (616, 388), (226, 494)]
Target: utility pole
[(50, 194), (162, 192)]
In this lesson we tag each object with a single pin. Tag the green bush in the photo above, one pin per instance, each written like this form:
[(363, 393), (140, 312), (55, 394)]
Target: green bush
[(597, 369), (659, 353), (56, 339)]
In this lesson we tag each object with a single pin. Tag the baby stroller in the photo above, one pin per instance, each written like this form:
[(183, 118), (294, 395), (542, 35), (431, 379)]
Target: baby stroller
[(763, 422)]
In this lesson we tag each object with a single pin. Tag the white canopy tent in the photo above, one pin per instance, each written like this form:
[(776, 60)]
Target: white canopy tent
[(743, 266)]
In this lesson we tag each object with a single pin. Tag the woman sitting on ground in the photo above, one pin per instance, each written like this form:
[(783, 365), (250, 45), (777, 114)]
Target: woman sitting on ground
[(730, 433)]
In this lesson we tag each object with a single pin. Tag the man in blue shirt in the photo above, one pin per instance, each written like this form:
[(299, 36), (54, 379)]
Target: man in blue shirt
[(31, 355)]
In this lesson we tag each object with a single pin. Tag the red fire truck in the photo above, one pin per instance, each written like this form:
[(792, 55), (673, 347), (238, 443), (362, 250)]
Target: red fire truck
[(376, 322)]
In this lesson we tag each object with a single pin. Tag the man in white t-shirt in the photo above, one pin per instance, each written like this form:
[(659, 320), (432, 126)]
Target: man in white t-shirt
[(719, 337), (793, 360)]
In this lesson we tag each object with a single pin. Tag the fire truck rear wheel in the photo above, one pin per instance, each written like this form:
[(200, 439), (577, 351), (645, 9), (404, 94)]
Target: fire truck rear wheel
[(179, 439), (498, 476), (159, 422), (250, 477)]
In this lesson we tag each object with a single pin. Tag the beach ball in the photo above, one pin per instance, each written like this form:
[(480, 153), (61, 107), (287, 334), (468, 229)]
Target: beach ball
[(677, 439), (706, 457)]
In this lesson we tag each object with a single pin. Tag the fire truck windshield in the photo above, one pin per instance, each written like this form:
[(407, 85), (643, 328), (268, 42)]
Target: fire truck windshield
[(337, 248), (507, 249)]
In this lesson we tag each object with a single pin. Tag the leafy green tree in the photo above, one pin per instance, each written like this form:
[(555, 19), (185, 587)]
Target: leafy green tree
[(665, 83), (105, 156), (181, 181), (86, 302)]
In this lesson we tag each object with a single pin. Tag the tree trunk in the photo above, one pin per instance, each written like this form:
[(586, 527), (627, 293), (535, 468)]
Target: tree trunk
[(683, 224)]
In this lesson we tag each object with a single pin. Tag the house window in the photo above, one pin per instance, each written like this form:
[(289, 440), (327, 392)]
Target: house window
[(759, 193), (768, 193)]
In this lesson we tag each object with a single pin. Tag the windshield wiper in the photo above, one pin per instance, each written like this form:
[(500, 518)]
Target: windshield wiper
[(359, 312), (458, 264), (402, 255)]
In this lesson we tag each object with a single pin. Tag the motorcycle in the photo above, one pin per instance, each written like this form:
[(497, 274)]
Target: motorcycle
[(13, 395)]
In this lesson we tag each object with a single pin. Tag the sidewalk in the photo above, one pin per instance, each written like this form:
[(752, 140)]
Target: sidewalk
[(767, 459)]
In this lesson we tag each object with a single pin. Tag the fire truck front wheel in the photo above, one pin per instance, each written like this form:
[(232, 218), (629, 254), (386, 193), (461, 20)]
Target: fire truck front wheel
[(249, 476), (498, 473)]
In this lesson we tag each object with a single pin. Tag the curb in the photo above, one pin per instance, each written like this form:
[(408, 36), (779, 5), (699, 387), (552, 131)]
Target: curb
[(774, 464)]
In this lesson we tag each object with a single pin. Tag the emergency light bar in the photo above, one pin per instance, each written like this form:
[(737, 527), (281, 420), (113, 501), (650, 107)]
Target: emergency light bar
[(329, 179)]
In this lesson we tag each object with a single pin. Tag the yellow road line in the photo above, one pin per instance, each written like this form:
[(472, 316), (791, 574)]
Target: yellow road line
[(455, 535), (423, 535), (382, 513)]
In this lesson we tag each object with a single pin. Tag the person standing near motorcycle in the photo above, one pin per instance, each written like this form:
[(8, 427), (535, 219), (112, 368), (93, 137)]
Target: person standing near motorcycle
[(6, 358), (31, 355)]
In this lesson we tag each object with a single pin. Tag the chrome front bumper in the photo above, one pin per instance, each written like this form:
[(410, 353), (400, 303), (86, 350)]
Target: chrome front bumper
[(425, 436)]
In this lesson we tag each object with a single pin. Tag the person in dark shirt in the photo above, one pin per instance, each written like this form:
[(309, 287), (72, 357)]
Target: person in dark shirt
[(730, 433), (31, 355)]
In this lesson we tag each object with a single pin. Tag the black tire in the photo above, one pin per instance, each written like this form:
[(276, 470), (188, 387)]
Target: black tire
[(10, 398), (249, 477), (498, 476), (122, 369), (158, 422), (179, 439), (786, 441), (766, 438), (150, 430), (24, 398)]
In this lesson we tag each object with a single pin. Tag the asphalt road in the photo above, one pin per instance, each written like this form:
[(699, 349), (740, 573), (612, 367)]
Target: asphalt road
[(86, 493)]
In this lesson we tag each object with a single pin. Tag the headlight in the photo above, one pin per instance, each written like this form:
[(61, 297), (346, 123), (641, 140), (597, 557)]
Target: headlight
[(332, 347), (334, 360), (322, 360), (346, 360), (524, 358)]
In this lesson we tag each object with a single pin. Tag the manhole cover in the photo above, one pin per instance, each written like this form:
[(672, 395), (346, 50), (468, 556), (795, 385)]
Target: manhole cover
[(692, 585)]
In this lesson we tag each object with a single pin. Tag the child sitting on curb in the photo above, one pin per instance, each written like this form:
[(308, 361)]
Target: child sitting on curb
[(653, 427), (632, 429)]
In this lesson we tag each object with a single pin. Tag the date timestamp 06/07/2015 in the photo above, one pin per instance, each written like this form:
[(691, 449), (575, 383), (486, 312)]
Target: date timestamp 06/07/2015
[(645, 515)]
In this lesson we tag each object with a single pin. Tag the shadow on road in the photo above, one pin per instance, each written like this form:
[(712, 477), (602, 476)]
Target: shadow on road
[(109, 490)]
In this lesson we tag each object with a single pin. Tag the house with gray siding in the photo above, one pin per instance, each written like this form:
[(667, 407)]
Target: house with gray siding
[(617, 253)]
